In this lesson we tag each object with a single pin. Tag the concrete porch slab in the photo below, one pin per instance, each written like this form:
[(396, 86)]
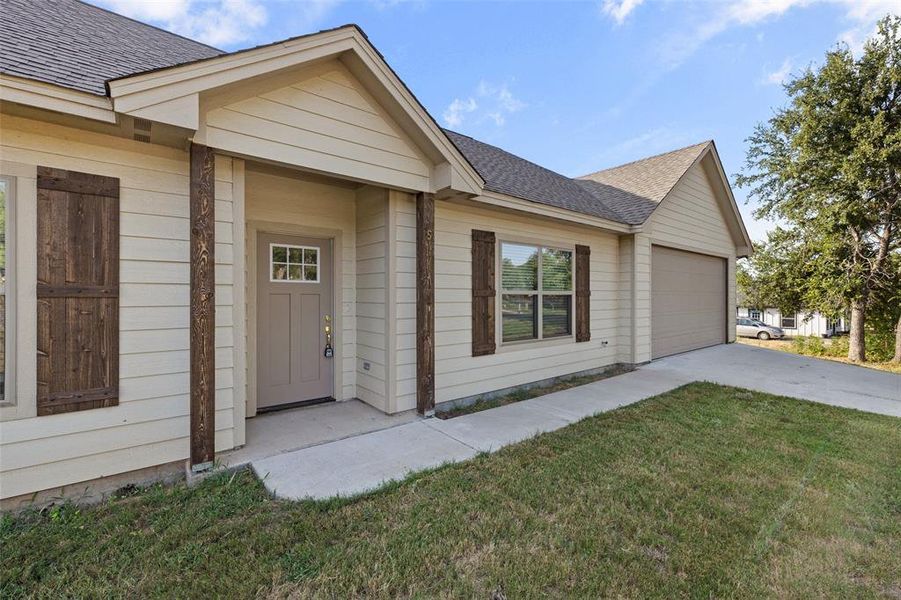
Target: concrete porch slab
[(292, 429), (358, 464)]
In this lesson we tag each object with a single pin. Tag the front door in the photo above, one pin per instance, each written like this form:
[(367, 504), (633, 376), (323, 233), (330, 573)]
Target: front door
[(295, 333)]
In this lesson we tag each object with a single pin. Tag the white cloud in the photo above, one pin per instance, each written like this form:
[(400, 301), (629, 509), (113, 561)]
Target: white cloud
[(719, 17), (214, 22), (495, 103), (618, 11), (455, 113), (779, 76)]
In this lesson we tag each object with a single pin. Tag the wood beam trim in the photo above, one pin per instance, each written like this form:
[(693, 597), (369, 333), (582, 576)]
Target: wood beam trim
[(203, 303), (425, 303)]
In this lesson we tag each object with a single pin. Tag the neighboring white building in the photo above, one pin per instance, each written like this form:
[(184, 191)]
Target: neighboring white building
[(797, 324)]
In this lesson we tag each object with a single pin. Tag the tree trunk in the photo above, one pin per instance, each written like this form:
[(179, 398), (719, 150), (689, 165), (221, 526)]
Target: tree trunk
[(897, 357), (856, 349)]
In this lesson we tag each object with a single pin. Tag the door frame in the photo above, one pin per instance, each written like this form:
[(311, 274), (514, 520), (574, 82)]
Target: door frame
[(254, 228)]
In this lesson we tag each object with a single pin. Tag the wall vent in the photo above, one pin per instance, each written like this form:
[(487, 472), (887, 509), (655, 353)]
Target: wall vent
[(142, 130)]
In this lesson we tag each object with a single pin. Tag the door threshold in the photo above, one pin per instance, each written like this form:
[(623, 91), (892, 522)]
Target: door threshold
[(298, 404)]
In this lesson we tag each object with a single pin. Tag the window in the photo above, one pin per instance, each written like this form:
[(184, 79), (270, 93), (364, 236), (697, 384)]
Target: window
[(7, 303), (293, 263), (536, 292), (754, 314), (790, 322)]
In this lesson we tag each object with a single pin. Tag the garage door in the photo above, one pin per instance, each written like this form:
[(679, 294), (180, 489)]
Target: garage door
[(688, 301)]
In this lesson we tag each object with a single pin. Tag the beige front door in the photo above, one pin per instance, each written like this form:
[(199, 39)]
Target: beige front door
[(295, 324)]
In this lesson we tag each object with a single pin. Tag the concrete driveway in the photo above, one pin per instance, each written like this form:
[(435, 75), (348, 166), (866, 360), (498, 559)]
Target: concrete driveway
[(787, 374)]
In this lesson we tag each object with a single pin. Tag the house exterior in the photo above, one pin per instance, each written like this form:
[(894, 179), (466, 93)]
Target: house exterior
[(797, 324), (196, 236)]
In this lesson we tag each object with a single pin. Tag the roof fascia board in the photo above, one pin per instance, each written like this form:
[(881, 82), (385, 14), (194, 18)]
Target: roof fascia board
[(553, 212), (265, 58), (202, 77), (56, 98)]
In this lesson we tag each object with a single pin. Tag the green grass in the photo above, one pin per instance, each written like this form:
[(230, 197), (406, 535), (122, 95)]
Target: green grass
[(706, 491), (524, 393)]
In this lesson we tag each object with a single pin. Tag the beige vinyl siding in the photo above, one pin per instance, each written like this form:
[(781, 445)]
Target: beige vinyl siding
[(403, 219), (641, 325), (151, 424), (690, 218), (312, 207), (457, 373), (324, 120), (625, 317), (372, 315)]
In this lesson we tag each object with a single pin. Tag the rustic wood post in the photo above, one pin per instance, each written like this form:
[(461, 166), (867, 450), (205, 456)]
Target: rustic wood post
[(425, 303), (203, 316)]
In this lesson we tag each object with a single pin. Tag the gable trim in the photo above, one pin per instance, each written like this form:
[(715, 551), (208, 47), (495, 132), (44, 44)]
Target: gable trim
[(172, 95), (723, 193)]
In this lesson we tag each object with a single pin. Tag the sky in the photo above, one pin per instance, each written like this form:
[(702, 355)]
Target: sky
[(573, 86)]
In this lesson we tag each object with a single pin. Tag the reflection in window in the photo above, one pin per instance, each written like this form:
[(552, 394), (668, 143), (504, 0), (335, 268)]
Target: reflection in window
[(293, 263), (537, 286)]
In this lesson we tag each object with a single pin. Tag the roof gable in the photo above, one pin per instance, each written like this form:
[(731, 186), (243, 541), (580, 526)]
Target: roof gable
[(175, 95), (635, 189)]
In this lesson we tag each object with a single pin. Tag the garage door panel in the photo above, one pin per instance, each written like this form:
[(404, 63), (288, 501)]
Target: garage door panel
[(688, 301)]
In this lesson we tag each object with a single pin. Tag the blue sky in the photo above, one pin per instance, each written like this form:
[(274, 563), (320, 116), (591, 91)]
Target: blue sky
[(573, 86)]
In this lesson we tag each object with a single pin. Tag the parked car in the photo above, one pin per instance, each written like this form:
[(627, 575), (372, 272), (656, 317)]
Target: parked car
[(753, 328)]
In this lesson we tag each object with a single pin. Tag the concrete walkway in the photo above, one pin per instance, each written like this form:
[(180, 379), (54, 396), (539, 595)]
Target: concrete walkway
[(361, 463)]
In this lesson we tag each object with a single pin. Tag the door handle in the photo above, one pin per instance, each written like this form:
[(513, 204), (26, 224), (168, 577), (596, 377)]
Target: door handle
[(329, 352)]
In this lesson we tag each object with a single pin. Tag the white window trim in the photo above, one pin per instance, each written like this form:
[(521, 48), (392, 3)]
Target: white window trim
[(794, 318), (759, 316), (301, 248), (9, 396), (499, 301)]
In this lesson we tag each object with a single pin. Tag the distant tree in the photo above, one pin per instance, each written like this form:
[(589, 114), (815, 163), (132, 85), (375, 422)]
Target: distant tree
[(828, 166)]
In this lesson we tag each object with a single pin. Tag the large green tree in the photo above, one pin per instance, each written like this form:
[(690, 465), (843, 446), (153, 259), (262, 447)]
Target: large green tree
[(828, 168)]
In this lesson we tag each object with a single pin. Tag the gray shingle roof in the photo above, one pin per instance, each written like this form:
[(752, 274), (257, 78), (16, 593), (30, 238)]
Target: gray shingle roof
[(80, 46), (634, 189), (509, 174)]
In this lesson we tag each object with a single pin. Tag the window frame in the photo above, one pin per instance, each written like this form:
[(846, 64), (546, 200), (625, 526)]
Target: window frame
[(759, 316), (794, 321), (539, 293), (303, 264), (9, 291)]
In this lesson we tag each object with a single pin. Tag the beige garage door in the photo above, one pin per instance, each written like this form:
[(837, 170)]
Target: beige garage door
[(688, 301)]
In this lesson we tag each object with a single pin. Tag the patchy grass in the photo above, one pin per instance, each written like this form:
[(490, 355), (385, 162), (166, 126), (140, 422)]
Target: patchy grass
[(525, 393), (789, 345), (705, 491)]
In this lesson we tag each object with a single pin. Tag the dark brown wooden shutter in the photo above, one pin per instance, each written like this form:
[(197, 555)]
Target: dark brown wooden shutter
[(483, 292), (583, 294), (77, 291)]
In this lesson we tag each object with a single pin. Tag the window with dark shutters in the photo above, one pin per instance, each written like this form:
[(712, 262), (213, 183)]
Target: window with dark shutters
[(583, 294), (483, 292), (77, 291)]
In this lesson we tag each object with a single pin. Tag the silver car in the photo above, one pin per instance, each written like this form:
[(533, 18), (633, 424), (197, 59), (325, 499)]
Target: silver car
[(753, 328)]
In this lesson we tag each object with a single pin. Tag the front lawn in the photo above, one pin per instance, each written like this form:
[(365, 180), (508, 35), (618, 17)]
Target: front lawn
[(706, 491)]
